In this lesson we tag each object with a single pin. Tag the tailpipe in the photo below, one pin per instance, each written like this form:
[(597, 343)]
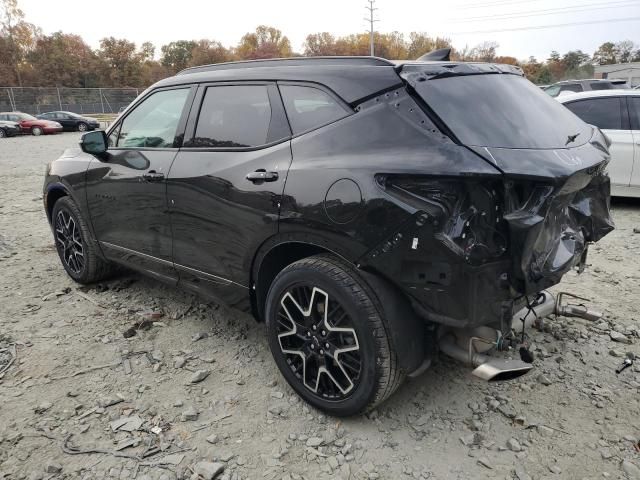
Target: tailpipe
[(545, 304), (487, 368)]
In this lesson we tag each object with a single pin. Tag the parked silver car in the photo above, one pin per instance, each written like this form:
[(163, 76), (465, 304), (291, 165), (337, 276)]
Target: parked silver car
[(617, 114)]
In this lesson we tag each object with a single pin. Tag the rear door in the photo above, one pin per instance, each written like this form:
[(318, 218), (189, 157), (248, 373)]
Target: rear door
[(610, 114), (634, 111), (225, 186)]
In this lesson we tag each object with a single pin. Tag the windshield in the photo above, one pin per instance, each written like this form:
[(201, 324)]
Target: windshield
[(26, 116), (503, 111)]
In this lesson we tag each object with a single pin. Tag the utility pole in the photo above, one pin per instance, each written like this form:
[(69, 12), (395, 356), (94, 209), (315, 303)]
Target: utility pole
[(371, 21)]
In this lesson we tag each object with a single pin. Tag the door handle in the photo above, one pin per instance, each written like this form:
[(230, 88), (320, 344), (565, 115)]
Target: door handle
[(261, 175), (153, 176)]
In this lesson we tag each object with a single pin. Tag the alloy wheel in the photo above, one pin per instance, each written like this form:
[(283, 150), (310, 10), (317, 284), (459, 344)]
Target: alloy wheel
[(317, 339), (82, 127), (69, 242), (2, 133)]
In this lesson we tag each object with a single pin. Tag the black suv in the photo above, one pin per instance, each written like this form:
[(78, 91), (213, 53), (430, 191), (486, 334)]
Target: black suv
[(370, 213)]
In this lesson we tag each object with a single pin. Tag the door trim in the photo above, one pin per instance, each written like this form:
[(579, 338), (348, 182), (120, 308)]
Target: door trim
[(193, 271)]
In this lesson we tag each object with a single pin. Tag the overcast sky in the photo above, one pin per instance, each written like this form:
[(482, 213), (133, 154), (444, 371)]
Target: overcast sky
[(161, 21)]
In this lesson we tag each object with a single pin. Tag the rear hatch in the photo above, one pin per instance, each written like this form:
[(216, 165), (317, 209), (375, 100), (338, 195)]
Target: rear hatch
[(556, 190)]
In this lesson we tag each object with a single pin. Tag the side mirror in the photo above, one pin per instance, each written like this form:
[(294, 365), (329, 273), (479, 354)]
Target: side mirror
[(94, 143)]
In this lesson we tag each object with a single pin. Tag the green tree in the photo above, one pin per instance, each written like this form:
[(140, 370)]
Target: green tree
[(19, 36), (626, 51), (265, 42), (121, 63), (320, 44), (556, 66), (147, 51), (544, 76), (575, 59), (177, 55), (605, 54), (67, 59), (206, 52), (421, 43)]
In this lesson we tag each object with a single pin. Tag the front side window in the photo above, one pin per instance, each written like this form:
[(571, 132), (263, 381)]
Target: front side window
[(233, 116), (604, 113), (154, 122), (309, 107)]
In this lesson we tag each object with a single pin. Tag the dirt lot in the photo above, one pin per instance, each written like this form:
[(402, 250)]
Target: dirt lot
[(76, 379)]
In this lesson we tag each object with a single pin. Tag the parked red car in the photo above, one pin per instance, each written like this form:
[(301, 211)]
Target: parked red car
[(30, 124)]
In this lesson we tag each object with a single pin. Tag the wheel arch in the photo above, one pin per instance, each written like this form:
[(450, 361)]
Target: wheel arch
[(410, 336), (54, 193), (273, 256)]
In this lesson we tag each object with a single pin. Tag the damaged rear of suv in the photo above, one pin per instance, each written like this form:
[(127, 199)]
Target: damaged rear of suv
[(383, 213)]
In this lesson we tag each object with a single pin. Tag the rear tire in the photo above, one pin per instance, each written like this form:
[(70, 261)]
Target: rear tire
[(75, 246), (83, 127), (36, 131), (328, 337), (3, 134)]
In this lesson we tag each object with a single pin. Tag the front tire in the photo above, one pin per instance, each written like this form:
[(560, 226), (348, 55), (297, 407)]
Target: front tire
[(36, 131), (3, 134), (75, 246), (328, 337)]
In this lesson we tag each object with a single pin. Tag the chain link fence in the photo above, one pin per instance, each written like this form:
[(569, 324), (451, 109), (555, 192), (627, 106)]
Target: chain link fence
[(35, 100)]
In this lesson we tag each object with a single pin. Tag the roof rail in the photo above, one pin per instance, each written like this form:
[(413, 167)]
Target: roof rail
[(290, 62)]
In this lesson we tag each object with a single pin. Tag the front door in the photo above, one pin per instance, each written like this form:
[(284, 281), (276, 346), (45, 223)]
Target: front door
[(225, 186), (126, 189)]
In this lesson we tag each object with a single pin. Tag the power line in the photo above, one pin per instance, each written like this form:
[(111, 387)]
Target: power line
[(371, 21), (492, 4), (551, 11), (542, 27)]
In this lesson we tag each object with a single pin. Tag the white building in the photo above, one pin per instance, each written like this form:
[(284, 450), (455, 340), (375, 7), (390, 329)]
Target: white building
[(627, 71)]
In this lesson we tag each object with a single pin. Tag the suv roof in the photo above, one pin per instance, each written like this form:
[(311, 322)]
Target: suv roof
[(288, 62), (351, 78)]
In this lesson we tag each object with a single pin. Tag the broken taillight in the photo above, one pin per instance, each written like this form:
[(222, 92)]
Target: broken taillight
[(467, 215)]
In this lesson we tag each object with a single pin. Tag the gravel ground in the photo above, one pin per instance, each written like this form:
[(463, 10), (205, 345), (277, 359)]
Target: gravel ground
[(82, 401)]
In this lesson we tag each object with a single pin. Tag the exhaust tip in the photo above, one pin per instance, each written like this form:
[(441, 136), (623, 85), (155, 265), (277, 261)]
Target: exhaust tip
[(498, 370)]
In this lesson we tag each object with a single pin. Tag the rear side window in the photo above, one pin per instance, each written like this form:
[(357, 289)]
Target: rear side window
[(601, 86), (309, 107), (605, 113), (233, 116), (634, 105), (154, 122)]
